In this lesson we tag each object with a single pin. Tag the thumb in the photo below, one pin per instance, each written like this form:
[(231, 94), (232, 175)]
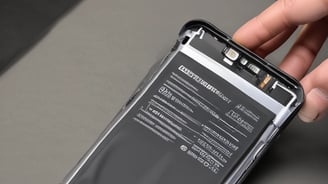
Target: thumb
[(315, 86), (315, 105)]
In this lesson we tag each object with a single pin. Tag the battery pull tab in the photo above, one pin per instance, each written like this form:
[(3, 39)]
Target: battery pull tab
[(230, 55)]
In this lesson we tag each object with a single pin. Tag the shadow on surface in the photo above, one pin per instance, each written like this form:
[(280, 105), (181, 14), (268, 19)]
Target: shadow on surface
[(24, 22)]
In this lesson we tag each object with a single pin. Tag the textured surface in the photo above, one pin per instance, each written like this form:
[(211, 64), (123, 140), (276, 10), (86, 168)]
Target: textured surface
[(58, 98)]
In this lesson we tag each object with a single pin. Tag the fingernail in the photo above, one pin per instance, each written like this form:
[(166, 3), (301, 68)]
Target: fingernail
[(321, 93), (308, 116), (310, 113)]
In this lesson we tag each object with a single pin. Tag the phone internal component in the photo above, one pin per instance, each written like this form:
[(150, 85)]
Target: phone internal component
[(265, 81), (253, 68), (280, 94), (231, 54), (243, 61)]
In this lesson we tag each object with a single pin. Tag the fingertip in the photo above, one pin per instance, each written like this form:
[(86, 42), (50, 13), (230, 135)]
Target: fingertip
[(239, 38), (307, 117), (315, 106)]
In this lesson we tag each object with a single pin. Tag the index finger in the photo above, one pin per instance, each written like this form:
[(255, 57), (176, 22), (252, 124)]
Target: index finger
[(278, 17)]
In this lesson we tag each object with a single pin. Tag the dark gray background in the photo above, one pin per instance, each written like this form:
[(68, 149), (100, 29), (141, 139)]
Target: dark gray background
[(58, 98)]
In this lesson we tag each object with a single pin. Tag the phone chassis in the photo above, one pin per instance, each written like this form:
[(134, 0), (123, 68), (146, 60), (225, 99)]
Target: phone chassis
[(204, 114)]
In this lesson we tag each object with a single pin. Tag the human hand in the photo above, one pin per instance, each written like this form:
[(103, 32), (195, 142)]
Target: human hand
[(270, 29)]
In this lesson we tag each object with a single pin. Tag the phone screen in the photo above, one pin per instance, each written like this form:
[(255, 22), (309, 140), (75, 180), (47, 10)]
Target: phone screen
[(190, 126)]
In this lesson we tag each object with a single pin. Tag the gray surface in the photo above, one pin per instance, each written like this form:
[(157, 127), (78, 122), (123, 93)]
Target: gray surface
[(58, 98)]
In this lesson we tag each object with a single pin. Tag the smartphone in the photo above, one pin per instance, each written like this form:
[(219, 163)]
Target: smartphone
[(204, 114)]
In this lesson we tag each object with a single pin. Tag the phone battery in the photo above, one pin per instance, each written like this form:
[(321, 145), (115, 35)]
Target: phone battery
[(204, 114), (190, 126)]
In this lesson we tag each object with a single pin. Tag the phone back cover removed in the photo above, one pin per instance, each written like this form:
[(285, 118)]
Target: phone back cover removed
[(191, 123)]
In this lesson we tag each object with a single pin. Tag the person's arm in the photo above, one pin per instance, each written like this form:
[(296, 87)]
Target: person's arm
[(267, 31)]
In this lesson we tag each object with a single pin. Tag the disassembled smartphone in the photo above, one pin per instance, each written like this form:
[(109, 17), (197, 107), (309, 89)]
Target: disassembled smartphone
[(204, 114)]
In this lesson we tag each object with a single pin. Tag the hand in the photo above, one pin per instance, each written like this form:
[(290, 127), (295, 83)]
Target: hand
[(270, 29)]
